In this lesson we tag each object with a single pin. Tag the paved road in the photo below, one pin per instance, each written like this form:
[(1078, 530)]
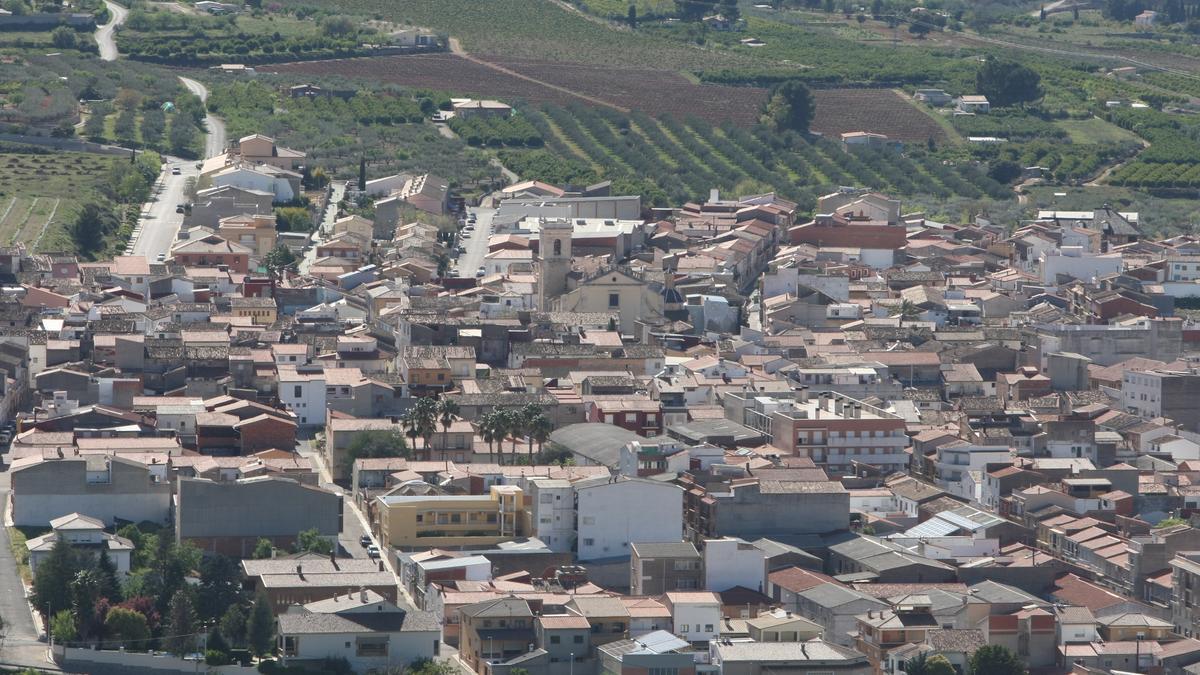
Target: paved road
[(104, 34), (338, 190), (215, 144), (20, 645), (476, 242), (159, 223)]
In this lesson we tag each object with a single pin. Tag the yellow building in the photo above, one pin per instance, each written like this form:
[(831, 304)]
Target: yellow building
[(423, 522), (255, 232)]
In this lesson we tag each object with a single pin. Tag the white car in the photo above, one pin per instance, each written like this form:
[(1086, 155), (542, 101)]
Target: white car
[(160, 257), (481, 271)]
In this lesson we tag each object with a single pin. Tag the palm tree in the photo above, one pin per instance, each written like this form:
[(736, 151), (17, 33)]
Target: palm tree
[(526, 415), (487, 429), (510, 425), (409, 422), (447, 411), (540, 429), (426, 415), (905, 310)]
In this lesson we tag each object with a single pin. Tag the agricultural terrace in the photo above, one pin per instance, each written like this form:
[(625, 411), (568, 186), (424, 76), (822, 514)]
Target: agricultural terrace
[(40, 193)]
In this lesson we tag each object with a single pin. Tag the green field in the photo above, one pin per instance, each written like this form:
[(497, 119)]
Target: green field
[(1095, 130), (38, 193)]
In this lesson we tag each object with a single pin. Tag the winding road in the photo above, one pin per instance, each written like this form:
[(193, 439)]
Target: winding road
[(105, 38), (159, 222)]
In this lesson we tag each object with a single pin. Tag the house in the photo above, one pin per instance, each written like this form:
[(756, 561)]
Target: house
[(658, 567), (212, 251), (282, 184), (934, 97), (696, 615), (255, 232), (85, 535), (495, 630), (427, 192), (863, 139), (308, 577), (764, 658), (362, 627), (972, 104), (260, 149), (468, 108), (212, 515), (1147, 19)]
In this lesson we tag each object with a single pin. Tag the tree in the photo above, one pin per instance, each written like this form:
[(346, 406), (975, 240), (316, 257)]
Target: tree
[(260, 627), (631, 16), (790, 107), (127, 627), (362, 173), (145, 606), (443, 264), (262, 549), (540, 429), (337, 26), (487, 430), (64, 38), (89, 228), (918, 28), (215, 642), (421, 420), (1004, 171), (181, 624), (693, 10), (279, 259), (233, 625), (110, 584), (447, 412), (52, 583), (1007, 83), (311, 541), (85, 593), (995, 660), (939, 665), (729, 10), (905, 310), (220, 586), (62, 626), (375, 443), (876, 8), (182, 135)]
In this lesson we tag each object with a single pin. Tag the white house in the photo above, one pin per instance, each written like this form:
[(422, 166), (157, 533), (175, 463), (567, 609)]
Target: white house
[(973, 104), (302, 391), (85, 535), (730, 562), (264, 178), (696, 615), (614, 512), (362, 627)]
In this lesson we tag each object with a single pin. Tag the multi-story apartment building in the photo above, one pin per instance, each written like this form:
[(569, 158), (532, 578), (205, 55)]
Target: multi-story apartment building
[(1163, 393), (655, 568), (834, 431), (431, 521)]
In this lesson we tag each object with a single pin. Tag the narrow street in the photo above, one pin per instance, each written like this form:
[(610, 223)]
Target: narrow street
[(105, 35), (21, 644), (325, 227), (476, 242)]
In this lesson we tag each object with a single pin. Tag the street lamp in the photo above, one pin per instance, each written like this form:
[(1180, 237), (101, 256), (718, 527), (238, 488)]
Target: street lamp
[(572, 663)]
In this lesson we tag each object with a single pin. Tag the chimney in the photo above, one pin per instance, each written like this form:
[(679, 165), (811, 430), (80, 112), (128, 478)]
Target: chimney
[(362, 594), (300, 571), (802, 394), (838, 405)]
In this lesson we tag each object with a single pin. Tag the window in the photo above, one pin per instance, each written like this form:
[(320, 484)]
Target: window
[(614, 299), (298, 392), (684, 628), (578, 639), (554, 639), (289, 645), (708, 628), (371, 646), (558, 247), (589, 542)]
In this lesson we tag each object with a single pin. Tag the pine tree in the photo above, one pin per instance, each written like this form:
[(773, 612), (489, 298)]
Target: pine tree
[(181, 623), (260, 627), (110, 585), (233, 625), (52, 584)]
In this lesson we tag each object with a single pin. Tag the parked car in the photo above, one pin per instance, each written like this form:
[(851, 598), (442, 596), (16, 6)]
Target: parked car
[(481, 271), (160, 257), (175, 171), (372, 551), (365, 540)]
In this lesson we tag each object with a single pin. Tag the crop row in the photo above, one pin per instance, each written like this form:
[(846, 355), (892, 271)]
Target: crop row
[(494, 132)]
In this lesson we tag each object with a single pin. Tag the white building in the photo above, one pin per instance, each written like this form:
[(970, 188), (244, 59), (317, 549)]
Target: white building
[(262, 178), (302, 391), (85, 535), (553, 512), (696, 615), (1073, 262), (617, 511), (362, 627), (730, 562)]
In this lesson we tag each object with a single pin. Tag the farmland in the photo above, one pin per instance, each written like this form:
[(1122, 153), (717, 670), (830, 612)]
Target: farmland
[(656, 92), (686, 158), (41, 192), (877, 110)]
